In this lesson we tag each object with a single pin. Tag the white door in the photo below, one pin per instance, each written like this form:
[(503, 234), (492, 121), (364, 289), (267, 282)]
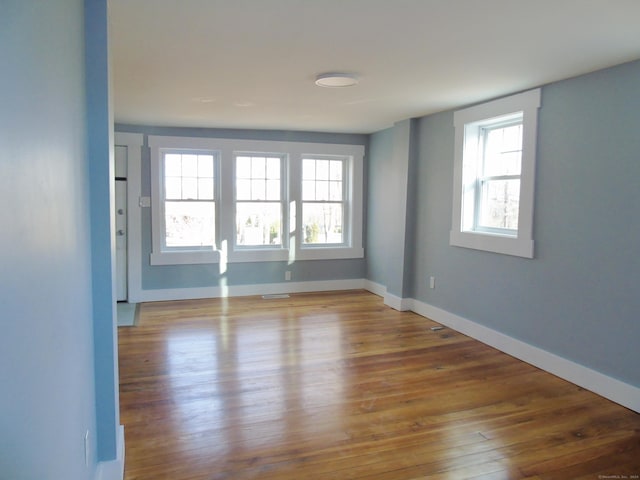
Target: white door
[(121, 224)]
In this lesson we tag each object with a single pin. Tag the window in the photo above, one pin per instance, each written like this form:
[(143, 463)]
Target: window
[(189, 204), (185, 200), (323, 197), (222, 200), (494, 175), (497, 188), (259, 201)]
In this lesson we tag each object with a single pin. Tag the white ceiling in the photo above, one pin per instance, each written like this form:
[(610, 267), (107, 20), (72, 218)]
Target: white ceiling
[(252, 63)]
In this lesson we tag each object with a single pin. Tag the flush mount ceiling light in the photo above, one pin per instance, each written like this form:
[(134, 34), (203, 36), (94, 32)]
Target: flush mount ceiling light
[(336, 80)]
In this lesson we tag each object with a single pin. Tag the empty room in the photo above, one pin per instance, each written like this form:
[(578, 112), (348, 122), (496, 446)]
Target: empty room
[(286, 239)]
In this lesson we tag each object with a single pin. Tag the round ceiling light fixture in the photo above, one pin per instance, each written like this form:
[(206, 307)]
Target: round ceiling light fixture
[(336, 80)]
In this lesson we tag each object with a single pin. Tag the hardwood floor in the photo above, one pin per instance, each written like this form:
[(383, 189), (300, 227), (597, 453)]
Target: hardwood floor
[(338, 386)]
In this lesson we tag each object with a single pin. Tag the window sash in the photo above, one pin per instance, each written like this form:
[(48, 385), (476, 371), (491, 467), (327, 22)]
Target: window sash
[(258, 181), (485, 208), (325, 185), (329, 223), (251, 225), (176, 237)]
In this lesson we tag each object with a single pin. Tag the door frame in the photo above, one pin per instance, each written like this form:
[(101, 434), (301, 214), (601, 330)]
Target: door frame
[(134, 143)]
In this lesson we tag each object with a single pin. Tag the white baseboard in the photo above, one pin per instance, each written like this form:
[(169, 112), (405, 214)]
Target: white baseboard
[(398, 303), (113, 469), (608, 387), (247, 290), (393, 301), (375, 288)]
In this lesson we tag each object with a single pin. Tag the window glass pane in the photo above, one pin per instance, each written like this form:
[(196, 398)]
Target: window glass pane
[(258, 167), (507, 163), (335, 191), (335, 170), (189, 165), (258, 223), (500, 204), (322, 169), (205, 188), (258, 178), (189, 177), (205, 166), (189, 188), (511, 162), (273, 168), (322, 223), (273, 189), (503, 151), (308, 169), (322, 190), (189, 224), (308, 190), (173, 165), (258, 190), (243, 189), (243, 167), (173, 188), (512, 139)]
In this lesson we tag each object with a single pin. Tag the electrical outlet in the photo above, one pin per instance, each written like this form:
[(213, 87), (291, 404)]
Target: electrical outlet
[(432, 282), (287, 275)]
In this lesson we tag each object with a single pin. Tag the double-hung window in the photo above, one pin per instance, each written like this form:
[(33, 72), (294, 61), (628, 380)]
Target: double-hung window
[(323, 201), (494, 168), (497, 190), (189, 200), (258, 200), (185, 205)]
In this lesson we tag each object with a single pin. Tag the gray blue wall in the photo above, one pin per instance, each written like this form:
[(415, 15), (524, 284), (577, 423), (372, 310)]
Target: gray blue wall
[(47, 400), (580, 297), (380, 211), (193, 276), (392, 190)]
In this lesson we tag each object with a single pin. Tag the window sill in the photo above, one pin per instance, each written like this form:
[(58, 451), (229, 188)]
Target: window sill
[(488, 242), (248, 256), (329, 253), (184, 258)]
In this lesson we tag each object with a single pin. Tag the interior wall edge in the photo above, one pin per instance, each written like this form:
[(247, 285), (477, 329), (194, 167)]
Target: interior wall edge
[(113, 469)]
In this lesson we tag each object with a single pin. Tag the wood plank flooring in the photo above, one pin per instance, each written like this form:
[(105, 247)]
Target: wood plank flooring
[(338, 386)]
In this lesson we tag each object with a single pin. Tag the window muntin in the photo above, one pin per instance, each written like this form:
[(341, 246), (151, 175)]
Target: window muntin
[(258, 202), (323, 206), (188, 203)]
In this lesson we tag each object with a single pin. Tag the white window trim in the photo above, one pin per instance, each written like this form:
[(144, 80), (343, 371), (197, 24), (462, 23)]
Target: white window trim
[(352, 219), (183, 255), (522, 244), (292, 248)]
